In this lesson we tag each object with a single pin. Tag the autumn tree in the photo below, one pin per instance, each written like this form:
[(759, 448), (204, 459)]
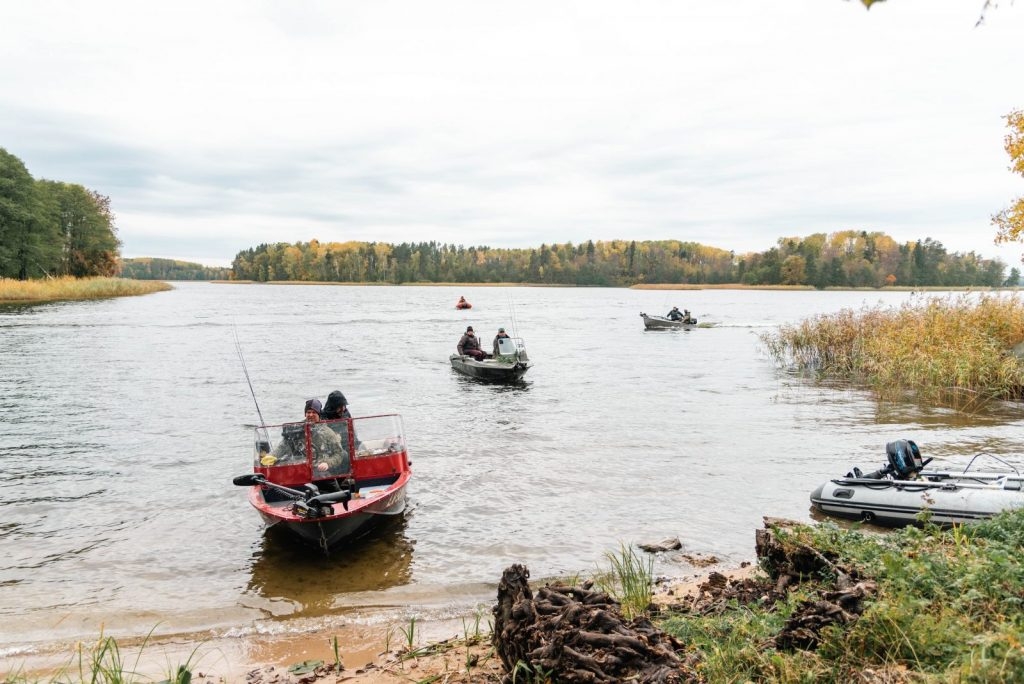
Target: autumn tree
[(1010, 222), (51, 228), (85, 225)]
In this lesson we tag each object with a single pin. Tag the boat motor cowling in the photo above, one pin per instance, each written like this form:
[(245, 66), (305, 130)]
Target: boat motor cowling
[(904, 458)]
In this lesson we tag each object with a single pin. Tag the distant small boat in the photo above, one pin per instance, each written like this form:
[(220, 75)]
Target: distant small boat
[(335, 507), (663, 323), (898, 493), (509, 365), (463, 304)]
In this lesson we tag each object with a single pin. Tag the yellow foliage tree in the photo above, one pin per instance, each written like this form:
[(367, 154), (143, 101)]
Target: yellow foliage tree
[(1010, 222)]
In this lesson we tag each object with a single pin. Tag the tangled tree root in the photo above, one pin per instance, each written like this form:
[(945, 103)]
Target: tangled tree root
[(789, 563), (843, 607), (573, 634)]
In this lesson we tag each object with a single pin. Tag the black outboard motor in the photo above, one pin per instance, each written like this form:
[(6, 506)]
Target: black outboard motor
[(904, 459), (904, 462)]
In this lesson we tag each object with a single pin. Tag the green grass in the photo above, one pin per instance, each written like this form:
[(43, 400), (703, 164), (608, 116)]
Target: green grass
[(949, 608), (103, 662), (957, 349), (57, 289), (629, 580)]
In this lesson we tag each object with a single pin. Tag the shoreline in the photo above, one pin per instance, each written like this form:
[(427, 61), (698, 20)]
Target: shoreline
[(369, 653)]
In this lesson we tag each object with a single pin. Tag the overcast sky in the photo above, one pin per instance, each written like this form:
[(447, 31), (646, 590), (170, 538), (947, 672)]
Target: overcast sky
[(214, 126)]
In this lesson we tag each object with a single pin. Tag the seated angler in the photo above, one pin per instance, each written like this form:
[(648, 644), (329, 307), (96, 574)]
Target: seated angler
[(469, 345), (334, 411), (328, 456), (675, 314), (502, 335)]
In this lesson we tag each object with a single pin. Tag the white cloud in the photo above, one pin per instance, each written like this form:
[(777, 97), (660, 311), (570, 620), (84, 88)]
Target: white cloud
[(216, 126)]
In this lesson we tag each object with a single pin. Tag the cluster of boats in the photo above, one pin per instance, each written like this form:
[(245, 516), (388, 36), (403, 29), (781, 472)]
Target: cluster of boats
[(328, 509)]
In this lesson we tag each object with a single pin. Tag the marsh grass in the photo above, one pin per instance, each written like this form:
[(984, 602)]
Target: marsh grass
[(956, 350), (67, 288), (949, 608), (629, 579)]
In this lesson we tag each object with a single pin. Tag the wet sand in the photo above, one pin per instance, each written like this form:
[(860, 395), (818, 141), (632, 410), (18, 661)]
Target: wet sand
[(368, 654)]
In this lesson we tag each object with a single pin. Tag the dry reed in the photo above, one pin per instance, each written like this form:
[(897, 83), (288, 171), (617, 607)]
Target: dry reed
[(56, 289), (940, 347)]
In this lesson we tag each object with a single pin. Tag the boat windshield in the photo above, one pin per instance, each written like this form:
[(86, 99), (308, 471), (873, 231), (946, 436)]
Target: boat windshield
[(511, 346), (336, 442), (378, 436)]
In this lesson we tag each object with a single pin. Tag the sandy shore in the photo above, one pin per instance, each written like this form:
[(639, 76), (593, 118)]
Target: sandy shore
[(368, 654)]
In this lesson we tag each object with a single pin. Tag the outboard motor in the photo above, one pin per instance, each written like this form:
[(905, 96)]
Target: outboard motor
[(904, 458)]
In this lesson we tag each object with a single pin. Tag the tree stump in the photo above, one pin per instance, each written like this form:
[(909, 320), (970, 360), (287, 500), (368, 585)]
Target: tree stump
[(574, 634)]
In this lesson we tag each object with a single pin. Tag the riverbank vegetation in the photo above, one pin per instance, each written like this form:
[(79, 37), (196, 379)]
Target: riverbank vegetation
[(68, 288), (827, 604), (959, 350), (932, 606), (50, 228), (841, 259)]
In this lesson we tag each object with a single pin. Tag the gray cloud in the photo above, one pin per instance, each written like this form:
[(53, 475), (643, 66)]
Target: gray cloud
[(732, 125)]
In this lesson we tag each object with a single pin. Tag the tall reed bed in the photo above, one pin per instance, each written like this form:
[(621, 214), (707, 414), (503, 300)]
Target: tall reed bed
[(56, 289), (958, 348)]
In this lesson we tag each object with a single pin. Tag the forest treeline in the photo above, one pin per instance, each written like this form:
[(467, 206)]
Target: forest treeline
[(50, 228), (840, 259), (147, 268)]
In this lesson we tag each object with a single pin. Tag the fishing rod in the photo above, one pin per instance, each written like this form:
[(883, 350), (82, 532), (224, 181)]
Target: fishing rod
[(512, 315), (245, 369)]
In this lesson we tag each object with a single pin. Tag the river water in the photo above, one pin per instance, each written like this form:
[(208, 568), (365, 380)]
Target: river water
[(123, 421)]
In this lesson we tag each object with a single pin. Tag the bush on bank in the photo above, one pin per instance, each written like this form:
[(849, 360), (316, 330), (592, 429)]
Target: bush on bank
[(960, 348)]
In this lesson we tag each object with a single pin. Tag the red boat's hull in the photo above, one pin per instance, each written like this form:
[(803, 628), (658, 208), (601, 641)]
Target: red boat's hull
[(329, 508), (374, 505)]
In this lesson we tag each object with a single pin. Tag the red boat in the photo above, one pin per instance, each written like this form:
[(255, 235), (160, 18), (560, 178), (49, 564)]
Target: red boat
[(291, 488), (463, 304)]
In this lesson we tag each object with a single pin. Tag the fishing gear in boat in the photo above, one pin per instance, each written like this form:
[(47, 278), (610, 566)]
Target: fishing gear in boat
[(245, 370), (308, 501)]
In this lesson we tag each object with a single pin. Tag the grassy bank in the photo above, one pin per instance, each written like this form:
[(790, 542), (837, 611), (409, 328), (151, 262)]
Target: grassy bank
[(955, 349), (940, 606), (946, 607), (57, 289)]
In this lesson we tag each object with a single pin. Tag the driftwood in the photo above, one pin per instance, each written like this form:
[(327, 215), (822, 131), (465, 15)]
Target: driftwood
[(576, 634)]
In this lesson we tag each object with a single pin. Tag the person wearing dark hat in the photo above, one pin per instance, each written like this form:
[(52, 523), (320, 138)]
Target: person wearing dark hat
[(329, 459), (336, 406), (338, 418), (312, 405), (501, 335), (469, 345)]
